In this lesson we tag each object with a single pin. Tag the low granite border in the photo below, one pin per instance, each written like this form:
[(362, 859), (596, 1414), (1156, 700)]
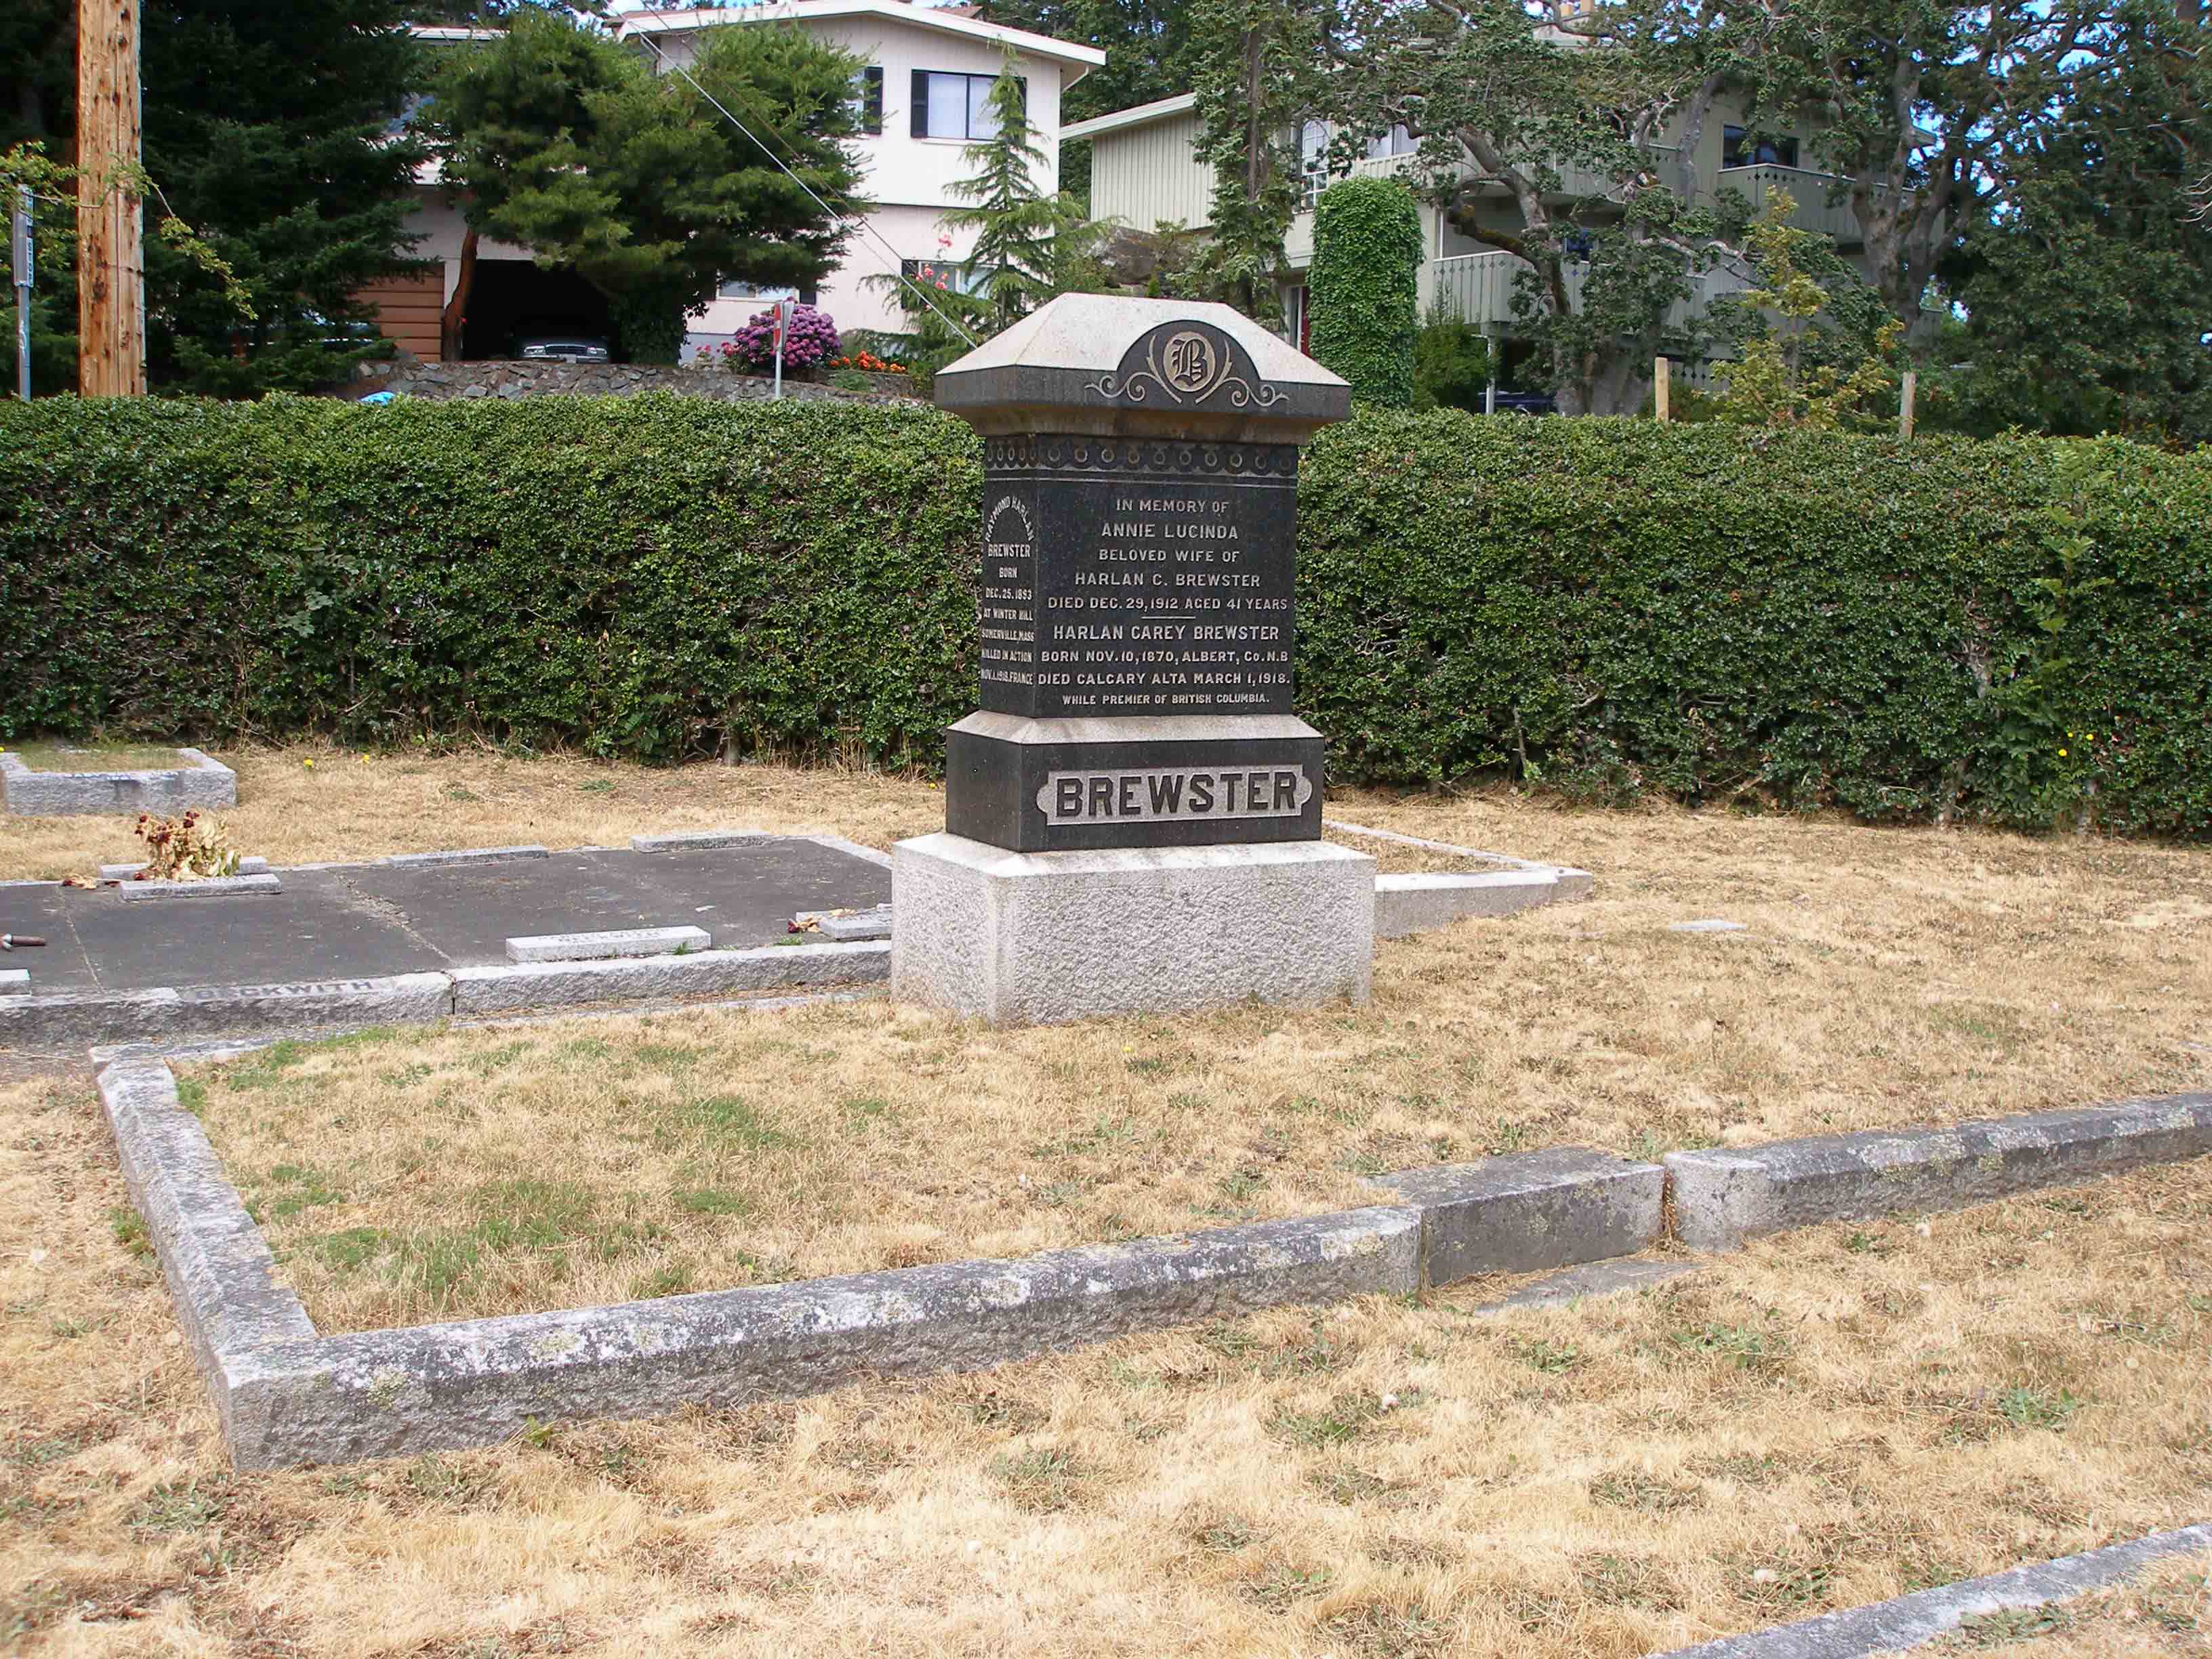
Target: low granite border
[(1910, 1621), (1724, 1197), (1415, 903), (202, 782), (424, 999), (287, 1394)]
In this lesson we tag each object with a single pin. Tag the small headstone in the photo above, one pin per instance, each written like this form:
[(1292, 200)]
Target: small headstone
[(14, 981)]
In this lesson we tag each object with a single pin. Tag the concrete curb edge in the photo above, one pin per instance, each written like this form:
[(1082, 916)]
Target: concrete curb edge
[(1924, 1615)]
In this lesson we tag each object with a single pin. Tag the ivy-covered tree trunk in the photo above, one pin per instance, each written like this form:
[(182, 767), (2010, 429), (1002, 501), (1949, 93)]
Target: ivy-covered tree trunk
[(1366, 285)]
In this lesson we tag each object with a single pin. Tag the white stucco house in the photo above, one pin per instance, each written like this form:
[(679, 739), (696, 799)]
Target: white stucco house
[(921, 94)]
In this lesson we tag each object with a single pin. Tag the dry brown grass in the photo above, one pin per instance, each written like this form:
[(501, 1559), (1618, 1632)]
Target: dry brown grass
[(1828, 1420), (1889, 977), (348, 806)]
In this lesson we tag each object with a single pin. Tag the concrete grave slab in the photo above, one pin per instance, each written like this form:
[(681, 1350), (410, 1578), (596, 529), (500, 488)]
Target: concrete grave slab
[(698, 841), (197, 780), (1724, 1197), (710, 973), (42, 910), (743, 895), (252, 866), (16, 980), (318, 927), (624, 942)]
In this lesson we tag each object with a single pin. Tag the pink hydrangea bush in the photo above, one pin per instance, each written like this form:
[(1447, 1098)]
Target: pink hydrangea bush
[(810, 338)]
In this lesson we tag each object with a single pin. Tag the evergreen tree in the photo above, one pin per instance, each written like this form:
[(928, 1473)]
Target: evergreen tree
[(1254, 64), (1016, 223), (268, 130), (562, 142), (2086, 277), (1147, 47)]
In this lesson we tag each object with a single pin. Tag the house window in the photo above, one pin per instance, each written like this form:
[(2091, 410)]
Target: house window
[(948, 274), (767, 295), (1737, 150), (868, 99), (948, 106), (1396, 141), (1313, 162)]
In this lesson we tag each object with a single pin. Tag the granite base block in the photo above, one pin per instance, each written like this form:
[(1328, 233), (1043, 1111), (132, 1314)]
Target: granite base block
[(1032, 937), (1723, 1198)]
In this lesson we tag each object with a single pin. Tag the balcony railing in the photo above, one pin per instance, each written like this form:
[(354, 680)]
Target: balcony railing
[(1479, 288), (1811, 190)]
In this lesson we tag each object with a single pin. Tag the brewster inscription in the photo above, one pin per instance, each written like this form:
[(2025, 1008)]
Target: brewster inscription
[(1151, 793), (1139, 593)]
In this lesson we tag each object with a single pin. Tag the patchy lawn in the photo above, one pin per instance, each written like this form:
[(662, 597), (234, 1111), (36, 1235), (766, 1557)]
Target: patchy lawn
[(1885, 977), (1828, 1420)]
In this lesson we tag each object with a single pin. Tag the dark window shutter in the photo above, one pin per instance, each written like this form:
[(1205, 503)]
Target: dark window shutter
[(872, 99), (922, 103), (1023, 81)]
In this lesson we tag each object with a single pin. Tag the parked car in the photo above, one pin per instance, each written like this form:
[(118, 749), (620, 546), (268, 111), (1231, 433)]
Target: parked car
[(1527, 403), (550, 340)]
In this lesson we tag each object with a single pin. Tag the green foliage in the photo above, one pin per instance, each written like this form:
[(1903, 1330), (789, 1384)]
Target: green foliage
[(1016, 223), (1364, 283), (273, 189), (2088, 277), (1451, 364), (2017, 631), (1775, 380), (1146, 43), (1253, 67), (560, 140)]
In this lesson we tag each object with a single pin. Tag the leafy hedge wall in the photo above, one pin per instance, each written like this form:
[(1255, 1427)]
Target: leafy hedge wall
[(2018, 631)]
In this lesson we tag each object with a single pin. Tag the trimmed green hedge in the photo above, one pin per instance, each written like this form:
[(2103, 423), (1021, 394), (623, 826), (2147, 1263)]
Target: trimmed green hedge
[(1603, 606)]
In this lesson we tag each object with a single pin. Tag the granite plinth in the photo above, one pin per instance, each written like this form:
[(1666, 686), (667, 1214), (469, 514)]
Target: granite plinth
[(1032, 937)]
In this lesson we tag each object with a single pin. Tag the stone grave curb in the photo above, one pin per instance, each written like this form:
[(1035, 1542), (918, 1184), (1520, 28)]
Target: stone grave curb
[(1910, 1621), (554, 984), (201, 782), (463, 855), (1530, 1211), (138, 892), (1722, 1197), (422, 998), (256, 866), (287, 1395), (1406, 904), (607, 944), (699, 840)]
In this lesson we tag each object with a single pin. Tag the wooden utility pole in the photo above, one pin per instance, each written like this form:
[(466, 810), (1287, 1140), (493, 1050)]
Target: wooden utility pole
[(110, 220), (1660, 401), (1905, 404)]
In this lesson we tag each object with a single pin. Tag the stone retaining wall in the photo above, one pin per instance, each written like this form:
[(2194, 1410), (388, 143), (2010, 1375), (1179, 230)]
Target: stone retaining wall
[(514, 378)]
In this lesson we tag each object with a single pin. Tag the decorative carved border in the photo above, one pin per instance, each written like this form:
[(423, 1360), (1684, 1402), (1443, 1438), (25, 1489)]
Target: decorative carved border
[(1061, 453)]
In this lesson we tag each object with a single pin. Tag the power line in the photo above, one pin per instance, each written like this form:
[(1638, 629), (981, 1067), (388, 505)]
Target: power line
[(898, 262)]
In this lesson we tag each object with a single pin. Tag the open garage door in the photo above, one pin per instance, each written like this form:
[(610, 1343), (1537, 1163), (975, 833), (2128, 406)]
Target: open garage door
[(513, 298)]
